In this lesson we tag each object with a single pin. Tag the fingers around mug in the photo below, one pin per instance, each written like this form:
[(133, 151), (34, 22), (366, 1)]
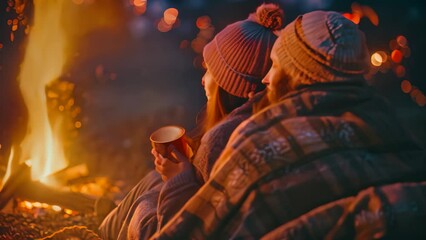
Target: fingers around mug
[(154, 152)]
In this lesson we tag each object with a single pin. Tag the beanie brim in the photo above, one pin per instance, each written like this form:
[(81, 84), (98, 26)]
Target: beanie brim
[(235, 83)]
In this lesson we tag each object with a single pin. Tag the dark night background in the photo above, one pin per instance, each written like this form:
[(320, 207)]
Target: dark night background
[(129, 78)]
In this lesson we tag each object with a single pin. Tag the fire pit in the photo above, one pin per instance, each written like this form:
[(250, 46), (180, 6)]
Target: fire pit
[(32, 210)]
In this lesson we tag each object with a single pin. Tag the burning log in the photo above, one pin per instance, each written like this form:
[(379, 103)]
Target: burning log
[(20, 185), (19, 177)]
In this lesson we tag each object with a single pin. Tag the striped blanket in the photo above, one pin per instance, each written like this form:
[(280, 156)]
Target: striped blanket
[(319, 144)]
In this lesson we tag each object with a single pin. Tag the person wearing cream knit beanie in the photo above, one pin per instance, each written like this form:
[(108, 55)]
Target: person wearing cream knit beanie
[(327, 136)]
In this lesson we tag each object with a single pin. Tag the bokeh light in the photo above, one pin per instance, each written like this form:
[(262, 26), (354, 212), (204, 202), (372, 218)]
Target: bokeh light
[(170, 15), (77, 124), (376, 59), (421, 100), (406, 86), (203, 22), (163, 26), (399, 71), (402, 41), (184, 44), (139, 3), (396, 56)]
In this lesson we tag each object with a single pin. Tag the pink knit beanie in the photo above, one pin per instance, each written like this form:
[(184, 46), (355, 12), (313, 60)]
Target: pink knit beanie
[(322, 47), (239, 56)]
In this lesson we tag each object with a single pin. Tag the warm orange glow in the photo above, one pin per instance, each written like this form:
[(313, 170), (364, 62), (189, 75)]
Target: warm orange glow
[(184, 44), (140, 10), (68, 211), (56, 208), (139, 3), (27, 204), (355, 18), (78, 2), (371, 15), (170, 16), (376, 59), (402, 41), (43, 62), (37, 204), (406, 86), (400, 71), (396, 56), (163, 26), (1, 45), (77, 124), (415, 93), (198, 44), (421, 100), (203, 22), (99, 71), (9, 166)]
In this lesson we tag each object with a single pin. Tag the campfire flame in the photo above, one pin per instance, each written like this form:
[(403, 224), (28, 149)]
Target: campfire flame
[(43, 62), (51, 44)]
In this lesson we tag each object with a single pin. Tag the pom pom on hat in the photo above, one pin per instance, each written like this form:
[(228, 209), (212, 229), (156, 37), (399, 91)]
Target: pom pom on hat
[(268, 15), (238, 57)]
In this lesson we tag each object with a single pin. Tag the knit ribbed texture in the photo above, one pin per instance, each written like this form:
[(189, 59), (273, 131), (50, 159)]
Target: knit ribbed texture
[(322, 47), (238, 56)]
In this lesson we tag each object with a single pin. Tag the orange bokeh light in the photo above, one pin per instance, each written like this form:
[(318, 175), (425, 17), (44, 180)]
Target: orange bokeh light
[(400, 71), (162, 26), (406, 86), (396, 56), (139, 3), (170, 15), (203, 22), (376, 59), (421, 100), (77, 124), (402, 41), (139, 10), (184, 44)]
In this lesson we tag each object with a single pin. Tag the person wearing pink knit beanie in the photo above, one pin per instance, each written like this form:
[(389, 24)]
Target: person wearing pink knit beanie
[(236, 59)]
